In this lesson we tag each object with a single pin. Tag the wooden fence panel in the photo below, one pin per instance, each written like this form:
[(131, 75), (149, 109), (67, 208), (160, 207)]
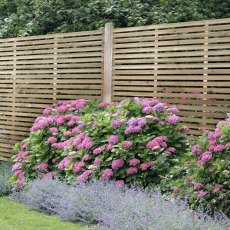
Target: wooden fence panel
[(37, 71), (185, 64)]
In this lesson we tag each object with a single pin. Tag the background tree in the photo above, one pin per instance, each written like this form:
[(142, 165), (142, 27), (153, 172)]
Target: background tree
[(33, 17)]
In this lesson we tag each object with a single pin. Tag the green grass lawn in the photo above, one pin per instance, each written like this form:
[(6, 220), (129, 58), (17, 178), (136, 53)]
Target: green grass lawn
[(14, 216)]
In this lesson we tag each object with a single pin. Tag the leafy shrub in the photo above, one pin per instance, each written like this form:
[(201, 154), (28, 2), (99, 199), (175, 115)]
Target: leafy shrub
[(207, 180), (114, 207), (33, 17), (5, 174), (133, 141)]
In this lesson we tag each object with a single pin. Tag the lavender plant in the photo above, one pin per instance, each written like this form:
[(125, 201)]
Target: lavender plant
[(115, 207), (5, 173)]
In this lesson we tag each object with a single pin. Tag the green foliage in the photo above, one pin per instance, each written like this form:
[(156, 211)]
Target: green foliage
[(33, 17), (207, 172), (131, 142)]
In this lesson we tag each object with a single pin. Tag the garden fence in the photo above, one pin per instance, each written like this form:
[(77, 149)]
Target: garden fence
[(184, 64)]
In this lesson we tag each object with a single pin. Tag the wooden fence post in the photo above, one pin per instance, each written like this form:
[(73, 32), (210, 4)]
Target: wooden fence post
[(108, 64)]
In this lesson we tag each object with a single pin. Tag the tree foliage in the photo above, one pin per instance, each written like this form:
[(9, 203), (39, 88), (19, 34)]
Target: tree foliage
[(33, 17)]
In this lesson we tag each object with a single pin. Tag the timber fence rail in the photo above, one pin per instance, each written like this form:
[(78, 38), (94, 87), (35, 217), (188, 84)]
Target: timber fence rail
[(184, 64)]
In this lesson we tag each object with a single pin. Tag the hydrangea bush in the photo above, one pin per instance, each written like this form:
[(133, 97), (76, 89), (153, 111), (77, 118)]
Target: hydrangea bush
[(208, 179), (132, 141)]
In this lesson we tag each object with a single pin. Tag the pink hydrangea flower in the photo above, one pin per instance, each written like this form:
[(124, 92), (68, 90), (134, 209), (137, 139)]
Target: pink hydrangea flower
[(78, 166), (49, 175), (52, 140), (107, 174), (160, 107), (219, 148), (174, 111), (99, 150), (47, 111), (98, 161), (119, 183), (131, 171), (200, 163), (117, 123), (157, 142), (172, 119), (146, 165), (153, 145), (217, 134), (113, 139), (53, 130), (171, 149), (103, 105), (16, 167), (64, 163), (118, 163), (185, 130), (42, 166), (147, 110), (206, 156), (202, 194), (22, 156), (127, 144), (60, 120), (176, 191), (24, 145), (83, 142), (62, 109), (134, 162), (67, 133), (85, 157), (217, 188), (84, 176), (161, 139), (196, 149), (197, 186)]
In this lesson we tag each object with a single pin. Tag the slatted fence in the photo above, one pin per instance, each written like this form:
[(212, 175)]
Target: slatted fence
[(36, 71), (184, 64)]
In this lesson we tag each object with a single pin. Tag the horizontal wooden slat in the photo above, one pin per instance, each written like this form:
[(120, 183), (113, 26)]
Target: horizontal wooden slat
[(37, 71)]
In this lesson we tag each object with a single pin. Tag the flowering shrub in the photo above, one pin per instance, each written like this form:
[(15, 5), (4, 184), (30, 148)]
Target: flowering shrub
[(208, 176), (113, 207), (132, 141)]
